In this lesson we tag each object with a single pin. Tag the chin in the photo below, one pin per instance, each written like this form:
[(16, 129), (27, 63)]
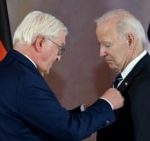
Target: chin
[(112, 67), (47, 72)]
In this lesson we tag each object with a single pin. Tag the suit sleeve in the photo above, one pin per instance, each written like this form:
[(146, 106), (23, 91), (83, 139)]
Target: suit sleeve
[(38, 106)]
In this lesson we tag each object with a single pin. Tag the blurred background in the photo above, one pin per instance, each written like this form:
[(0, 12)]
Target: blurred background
[(81, 76)]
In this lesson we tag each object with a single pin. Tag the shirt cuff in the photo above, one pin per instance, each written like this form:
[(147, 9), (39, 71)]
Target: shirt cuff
[(82, 107), (108, 102)]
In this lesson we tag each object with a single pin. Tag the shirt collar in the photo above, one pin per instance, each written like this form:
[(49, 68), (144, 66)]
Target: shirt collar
[(31, 61), (131, 65)]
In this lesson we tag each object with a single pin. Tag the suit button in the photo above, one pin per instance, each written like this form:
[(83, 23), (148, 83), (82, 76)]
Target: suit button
[(107, 122)]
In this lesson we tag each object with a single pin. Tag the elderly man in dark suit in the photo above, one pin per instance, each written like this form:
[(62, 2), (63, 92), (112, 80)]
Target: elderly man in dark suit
[(122, 41), (29, 110)]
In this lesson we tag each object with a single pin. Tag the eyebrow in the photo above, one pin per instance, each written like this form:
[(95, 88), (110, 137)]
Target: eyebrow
[(106, 42)]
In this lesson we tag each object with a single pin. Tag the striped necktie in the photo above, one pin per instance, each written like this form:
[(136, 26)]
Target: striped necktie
[(117, 80)]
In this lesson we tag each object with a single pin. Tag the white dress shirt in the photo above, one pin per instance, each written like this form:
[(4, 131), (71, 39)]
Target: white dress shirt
[(127, 70), (131, 65)]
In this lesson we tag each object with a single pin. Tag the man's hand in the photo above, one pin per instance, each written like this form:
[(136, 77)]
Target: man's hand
[(114, 97)]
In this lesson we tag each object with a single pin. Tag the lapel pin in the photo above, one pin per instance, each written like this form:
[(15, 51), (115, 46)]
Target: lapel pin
[(126, 84)]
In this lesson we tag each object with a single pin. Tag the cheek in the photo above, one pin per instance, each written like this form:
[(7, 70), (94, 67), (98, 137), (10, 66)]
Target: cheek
[(50, 55), (120, 59), (116, 59), (51, 58), (47, 61)]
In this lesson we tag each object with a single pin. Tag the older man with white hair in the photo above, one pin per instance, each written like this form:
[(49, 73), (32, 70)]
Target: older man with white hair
[(122, 41), (29, 110)]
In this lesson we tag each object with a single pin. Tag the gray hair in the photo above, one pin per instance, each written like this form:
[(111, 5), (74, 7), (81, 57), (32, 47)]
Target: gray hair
[(38, 23), (125, 23)]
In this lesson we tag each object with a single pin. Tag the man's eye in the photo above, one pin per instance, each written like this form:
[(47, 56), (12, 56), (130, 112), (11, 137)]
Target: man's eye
[(107, 45)]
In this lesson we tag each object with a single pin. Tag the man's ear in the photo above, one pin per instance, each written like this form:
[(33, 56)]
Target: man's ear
[(38, 43), (131, 40)]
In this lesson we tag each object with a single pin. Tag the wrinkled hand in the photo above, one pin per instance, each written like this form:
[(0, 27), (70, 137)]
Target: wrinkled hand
[(114, 97)]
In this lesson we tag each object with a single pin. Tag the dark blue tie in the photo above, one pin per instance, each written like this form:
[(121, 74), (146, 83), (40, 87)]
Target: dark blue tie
[(117, 80)]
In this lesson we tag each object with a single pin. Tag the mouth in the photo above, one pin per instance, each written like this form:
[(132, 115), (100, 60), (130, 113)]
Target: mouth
[(108, 61)]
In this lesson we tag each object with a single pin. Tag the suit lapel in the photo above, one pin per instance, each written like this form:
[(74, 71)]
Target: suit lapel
[(139, 67)]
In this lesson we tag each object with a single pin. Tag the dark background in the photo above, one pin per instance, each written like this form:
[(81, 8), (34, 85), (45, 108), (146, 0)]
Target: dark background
[(81, 76)]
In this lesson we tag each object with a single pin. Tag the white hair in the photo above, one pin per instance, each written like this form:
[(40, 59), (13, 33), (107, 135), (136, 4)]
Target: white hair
[(38, 23), (125, 23)]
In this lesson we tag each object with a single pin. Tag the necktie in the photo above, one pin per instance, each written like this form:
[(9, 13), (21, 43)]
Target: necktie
[(117, 80)]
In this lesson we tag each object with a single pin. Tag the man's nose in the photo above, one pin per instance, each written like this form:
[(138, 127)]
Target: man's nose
[(102, 52)]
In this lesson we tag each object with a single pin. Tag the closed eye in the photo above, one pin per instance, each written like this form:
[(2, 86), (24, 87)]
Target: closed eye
[(107, 45)]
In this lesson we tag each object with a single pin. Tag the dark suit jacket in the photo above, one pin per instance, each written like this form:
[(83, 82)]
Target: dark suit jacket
[(133, 120), (29, 111)]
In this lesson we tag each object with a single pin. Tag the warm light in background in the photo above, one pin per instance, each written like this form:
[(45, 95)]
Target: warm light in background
[(3, 51)]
